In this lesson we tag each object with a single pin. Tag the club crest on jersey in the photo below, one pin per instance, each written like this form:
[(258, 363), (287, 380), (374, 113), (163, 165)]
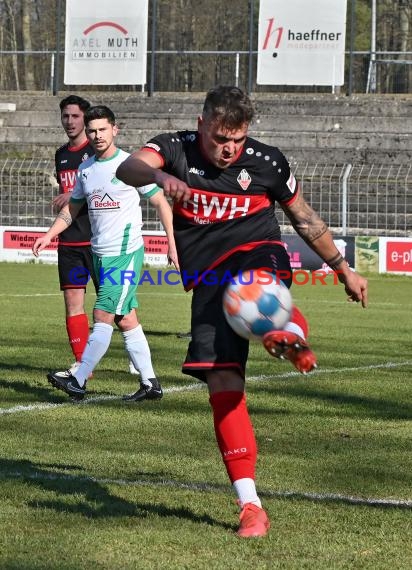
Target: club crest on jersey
[(85, 157), (244, 179)]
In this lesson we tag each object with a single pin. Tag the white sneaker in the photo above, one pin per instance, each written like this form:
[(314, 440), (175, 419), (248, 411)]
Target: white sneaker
[(133, 369)]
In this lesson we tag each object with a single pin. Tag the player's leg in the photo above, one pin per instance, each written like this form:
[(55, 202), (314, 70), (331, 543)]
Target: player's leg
[(291, 342), (237, 444), (74, 384), (139, 352), (134, 338), (88, 263), (218, 356), (108, 297), (73, 276)]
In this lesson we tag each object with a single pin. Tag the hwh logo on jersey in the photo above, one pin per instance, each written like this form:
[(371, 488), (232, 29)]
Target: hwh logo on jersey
[(68, 179), (202, 206)]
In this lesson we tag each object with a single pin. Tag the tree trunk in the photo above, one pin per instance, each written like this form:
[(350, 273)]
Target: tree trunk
[(27, 45), (13, 42)]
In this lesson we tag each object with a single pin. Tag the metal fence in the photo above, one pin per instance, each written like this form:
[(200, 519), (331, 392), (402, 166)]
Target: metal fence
[(356, 199), (195, 71)]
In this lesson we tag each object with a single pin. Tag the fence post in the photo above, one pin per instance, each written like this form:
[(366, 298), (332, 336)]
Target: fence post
[(344, 206), (251, 24), (352, 43), (56, 74), (153, 51), (237, 70)]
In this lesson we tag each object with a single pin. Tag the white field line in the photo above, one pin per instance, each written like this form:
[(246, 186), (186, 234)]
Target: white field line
[(40, 406), (191, 486), (183, 293), (31, 295)]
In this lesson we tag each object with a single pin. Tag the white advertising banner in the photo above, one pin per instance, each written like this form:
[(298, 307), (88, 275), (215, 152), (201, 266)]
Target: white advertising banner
[(301, 42), (16, 243), (106, 42)]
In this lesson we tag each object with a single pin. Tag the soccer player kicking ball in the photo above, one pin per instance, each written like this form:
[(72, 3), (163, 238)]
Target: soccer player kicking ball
[(117, 246), (225, 185)]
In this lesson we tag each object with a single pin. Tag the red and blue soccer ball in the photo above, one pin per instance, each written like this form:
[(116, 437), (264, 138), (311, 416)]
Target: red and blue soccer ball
[(255, 303)]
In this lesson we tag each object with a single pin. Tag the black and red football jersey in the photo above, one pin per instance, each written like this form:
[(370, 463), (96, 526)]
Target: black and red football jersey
[(230, 209), (67, 162)]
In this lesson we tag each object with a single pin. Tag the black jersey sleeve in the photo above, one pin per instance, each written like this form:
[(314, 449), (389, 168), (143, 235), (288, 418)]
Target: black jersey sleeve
[(168, 146), (284, 187)]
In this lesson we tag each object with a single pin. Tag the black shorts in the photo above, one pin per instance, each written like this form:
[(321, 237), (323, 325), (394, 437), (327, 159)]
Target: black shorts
[(75, 267), (214, 344)]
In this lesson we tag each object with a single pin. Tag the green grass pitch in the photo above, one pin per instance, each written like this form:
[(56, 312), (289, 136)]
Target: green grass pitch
[(105, 484)]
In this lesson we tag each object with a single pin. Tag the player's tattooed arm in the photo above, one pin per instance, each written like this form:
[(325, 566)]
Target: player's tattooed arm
[(307, 223), (313, 230), (65, 216)]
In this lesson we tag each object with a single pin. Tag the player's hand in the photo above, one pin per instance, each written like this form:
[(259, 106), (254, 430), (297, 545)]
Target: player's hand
[(356, 288), (172, 186), (40, 244), (61, 200), (172, 257)]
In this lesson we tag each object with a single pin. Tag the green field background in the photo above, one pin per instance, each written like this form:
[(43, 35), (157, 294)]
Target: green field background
[(105, 484)]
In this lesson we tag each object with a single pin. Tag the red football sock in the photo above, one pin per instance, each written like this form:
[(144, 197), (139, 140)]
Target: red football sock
[(78, 331), (234, 434), (299, 320)]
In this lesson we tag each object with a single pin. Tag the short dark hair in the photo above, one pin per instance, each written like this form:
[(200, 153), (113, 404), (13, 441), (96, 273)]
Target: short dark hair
[(99, 112), (83, 104), (229, 106)]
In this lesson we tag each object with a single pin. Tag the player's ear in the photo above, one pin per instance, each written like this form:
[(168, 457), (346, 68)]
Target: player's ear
[(115, 130)]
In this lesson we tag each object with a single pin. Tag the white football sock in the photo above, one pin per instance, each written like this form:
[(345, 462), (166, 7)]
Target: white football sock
[(96, 348), (139, 353), (246, 492), (294, 328)]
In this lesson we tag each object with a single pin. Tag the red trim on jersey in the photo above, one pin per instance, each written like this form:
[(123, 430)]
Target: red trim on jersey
[(206, 207), (243, 247), (74, 243), (211, 365), (145, 148), (76, 148), (292, 199)]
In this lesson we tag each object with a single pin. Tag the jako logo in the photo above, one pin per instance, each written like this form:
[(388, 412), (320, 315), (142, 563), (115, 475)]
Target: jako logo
[(194, 170)]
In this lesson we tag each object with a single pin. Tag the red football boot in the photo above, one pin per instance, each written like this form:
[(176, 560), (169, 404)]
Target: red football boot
[(253, 521), (288, 345)]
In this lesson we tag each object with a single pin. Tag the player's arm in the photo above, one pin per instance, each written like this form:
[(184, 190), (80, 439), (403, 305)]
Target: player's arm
[(165, 214), (144, 167), (61, 200), (314, 231), (63, 220)]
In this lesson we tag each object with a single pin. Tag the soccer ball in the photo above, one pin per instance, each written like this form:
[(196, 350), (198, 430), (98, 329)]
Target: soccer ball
[(255, 302)]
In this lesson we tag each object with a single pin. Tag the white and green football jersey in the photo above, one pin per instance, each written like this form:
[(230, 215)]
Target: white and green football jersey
[(114, 207)]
